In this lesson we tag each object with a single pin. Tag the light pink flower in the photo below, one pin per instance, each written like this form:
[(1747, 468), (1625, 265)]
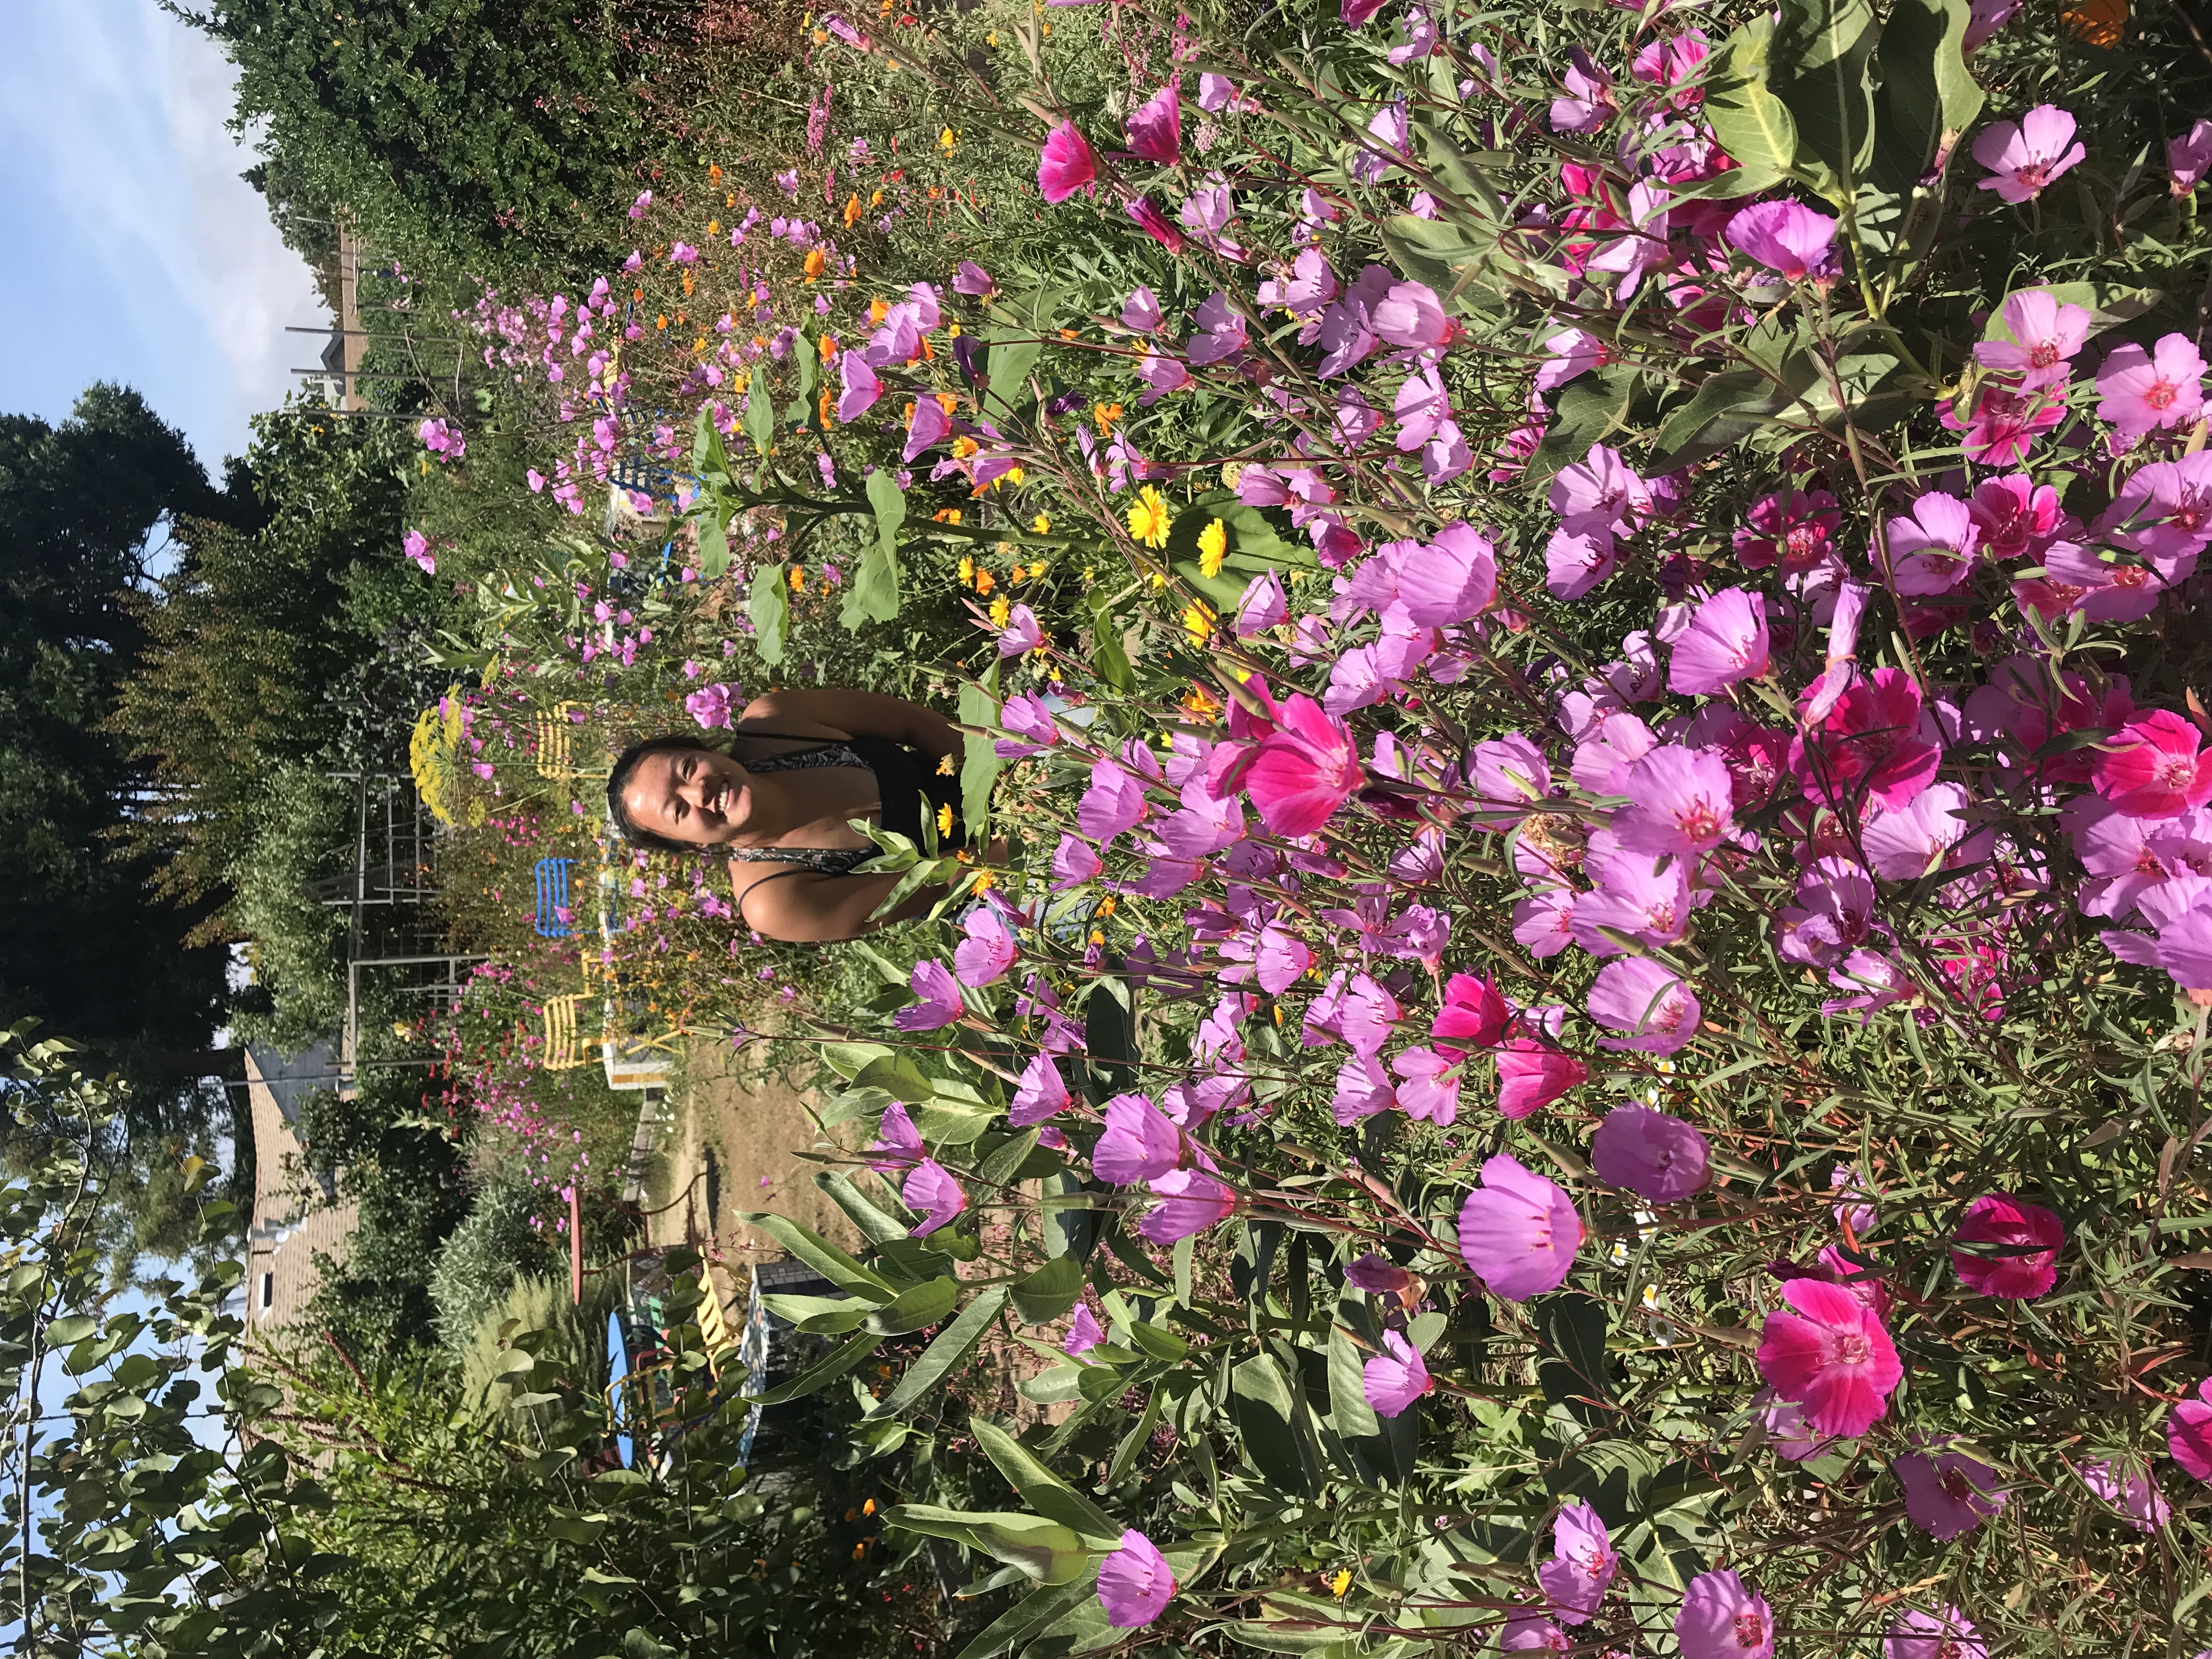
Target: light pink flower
[(417, 546), (1394, 1379), (1985, 18), (1066, 164), (1141, 1143), (1155, 127), (1429, 1088), (940, 1003), (1948, 1493), (974, 280), (1518, 1232), (2030, 1237), (1786, 237), (2189, 1432), (1637, 995), (929, 425), (1508, 772), (1933, 551), (1681, 800), (1727, 641), (2141, 393), (1022, 634), (1576, 563), (987, 951), (1115, 801), (1084, 1333), (1412, 316), (1190, 1201), (2131, 1490), (1831, 1355), (1722, 1619), (2188, 157), (1453, 580), (2026, 155), (1651, 1153), (1947, 1635), (1135, 1582), (1041, 1093), (1588, 101), (1598, 492), (1526, 1630), (2153, 768), (861, 388), (2045, 335), (1583, 1563), (931, 1190), (898, 1144)]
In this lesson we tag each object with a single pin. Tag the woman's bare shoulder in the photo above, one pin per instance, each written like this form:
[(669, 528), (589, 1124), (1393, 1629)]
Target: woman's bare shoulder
[(795, 713), (803, 907)]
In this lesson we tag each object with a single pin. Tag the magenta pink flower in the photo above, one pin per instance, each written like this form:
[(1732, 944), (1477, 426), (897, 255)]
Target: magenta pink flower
[(1831, 1356), (1141, 1142), (1947, 1635), (2028, 1237), (1395, 1378), (2153, 769), (1453, 579), (861, 390), (2189, 1432), (1637, 995), (1589, 100), (898, 1144), (1517, 1231), (939, 994), (2188, 157), (1066, 165), (1681, 800), (1474, 1012), (987, 951), (1084, 1333), (2045, 335), (1583, 1563), (1531, 1076), (1357, 12), (1651, 1153), (1948, 1493), (1726, 642), (1872, 740), (2017, 516), (1304, 770), (1135, 1582), (931, 1191), (1155, 223), (1190, 1202), (1155, 127), (1041, 1093), (1412, 316), (2000, 424), (2140, 392), (1787, 237), (1795, 527), (1933, 551), (1721, 1618), (2026, 155)]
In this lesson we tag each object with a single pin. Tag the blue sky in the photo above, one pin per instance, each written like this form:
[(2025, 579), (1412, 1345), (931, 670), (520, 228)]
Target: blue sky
[(132, 250)]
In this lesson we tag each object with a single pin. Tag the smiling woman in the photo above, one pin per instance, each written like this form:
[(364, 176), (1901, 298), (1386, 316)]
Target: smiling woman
[(780, 799)]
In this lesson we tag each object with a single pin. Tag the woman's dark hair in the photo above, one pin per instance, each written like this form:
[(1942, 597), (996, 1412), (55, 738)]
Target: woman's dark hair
[(625, 767)]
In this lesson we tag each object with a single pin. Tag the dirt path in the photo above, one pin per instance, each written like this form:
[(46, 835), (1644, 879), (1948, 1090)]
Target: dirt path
[(734, 1147)]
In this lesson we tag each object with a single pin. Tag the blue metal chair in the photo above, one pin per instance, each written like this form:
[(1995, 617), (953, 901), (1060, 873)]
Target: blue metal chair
[(553, 917)]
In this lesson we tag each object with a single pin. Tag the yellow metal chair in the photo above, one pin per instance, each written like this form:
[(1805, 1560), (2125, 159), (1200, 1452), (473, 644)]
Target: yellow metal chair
[(564, 1052), (555, 755)]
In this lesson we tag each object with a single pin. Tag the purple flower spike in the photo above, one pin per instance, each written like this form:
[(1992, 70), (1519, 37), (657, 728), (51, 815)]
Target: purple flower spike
[(1518, 1231), (1651, 1153), (1135, 1582), (1395, 1378)]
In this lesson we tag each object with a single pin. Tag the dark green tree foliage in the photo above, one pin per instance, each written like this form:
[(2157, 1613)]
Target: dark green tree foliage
[(479, 129), (83, 939)]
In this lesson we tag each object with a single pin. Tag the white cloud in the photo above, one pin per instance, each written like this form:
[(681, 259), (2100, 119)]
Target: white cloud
[(120, 110)]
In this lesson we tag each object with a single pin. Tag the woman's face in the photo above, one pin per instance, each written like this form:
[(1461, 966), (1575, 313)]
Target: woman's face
[(697, 796)]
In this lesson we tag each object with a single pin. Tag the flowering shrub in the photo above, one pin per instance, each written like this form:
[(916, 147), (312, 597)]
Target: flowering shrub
[(1608, 1014)]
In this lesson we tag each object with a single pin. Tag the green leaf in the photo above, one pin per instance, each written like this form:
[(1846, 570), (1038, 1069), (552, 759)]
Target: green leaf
[(824, 1371), (1040, 1607), (1571, 1330), (714, 541), (1752, 124), (1464, 265), (1818, 64), (1928, 98), (1006, 366), (875, 1226), (1047, 1550), (769, 610), (820, 1315), (1159, 1341), (925, 1304), (1048, 1292), (759, 411), (1277, 1440), (980, 765), (820, 1254), (950, 1346), (1106, 653), (1591, 409), (873, 595), (1045, 1491), (1725, 409)]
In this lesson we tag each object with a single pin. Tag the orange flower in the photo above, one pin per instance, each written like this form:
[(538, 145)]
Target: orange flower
[(878, 310), (852, 210), (984, 580), (823, 409), (828, 347), (660, 322), (714, 172), (949, 402), (815, 261)]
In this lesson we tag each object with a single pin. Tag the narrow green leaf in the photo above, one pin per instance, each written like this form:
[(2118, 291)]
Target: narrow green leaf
[(769, 608), (952, 1345), (1752, 124), (825, 1371), (980, 765), (820, 1254), (1048, 1292), (922, 1305)]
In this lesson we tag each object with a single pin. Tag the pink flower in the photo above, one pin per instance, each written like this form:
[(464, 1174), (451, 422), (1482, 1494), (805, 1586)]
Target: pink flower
[(1947, 1635), (1985, 18), (1155, 127), (1155, 223), (1066, 164), (1041, 1093), (1721, 1618), (1377, 1275), (1022, 634), (1589, 100), (1526, 1630), (1681, 800), (1430, 1087), (987, 951), (1831, 1356), (862, 388), (1190, 1202), (2188, 157), (1084, 1333), (1948, 1493), (1508, 772), (931, 1190), (1637, 995), (1263, 605), (1531, 1076), (1726, 642), (1932, 552), (940, 1003), (2140, 393), (1649, 1153), (929, 425), (2153, 769), (1798, 527), (974, 280), (897, 1142), (1412, 316), (1135, 1582), (1141, 1143), (1787, 237), (1303, 772), (1453, 580), (2027, 155), (1517, 1231), (2131, 1490), (1598, 492), (1871, 739), (2030, 1237), (1074, 863), (416, 546), (2002, 424), (1114, 802), (1583, 1563), (1576, 563), (2189, 1432), (1395, 1378), (1472, 1012), (2045, 335)]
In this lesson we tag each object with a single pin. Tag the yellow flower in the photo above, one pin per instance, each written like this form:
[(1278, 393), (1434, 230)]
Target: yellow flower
[(869, 1508), (1042, 525), (1198, 622), (1340, 1583), (967, 570), (985, 881), (992, 39), (948, 141), (953, 329), (1157, 580), (714, 227), (962, 447), (1149, 517), (944, 819), (1212, 546), (1013, 475), (944, 767), (1097, 938), (951, 515)]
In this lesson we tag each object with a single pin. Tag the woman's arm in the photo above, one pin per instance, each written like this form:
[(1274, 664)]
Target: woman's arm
[(861, 715), (811, 907)]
